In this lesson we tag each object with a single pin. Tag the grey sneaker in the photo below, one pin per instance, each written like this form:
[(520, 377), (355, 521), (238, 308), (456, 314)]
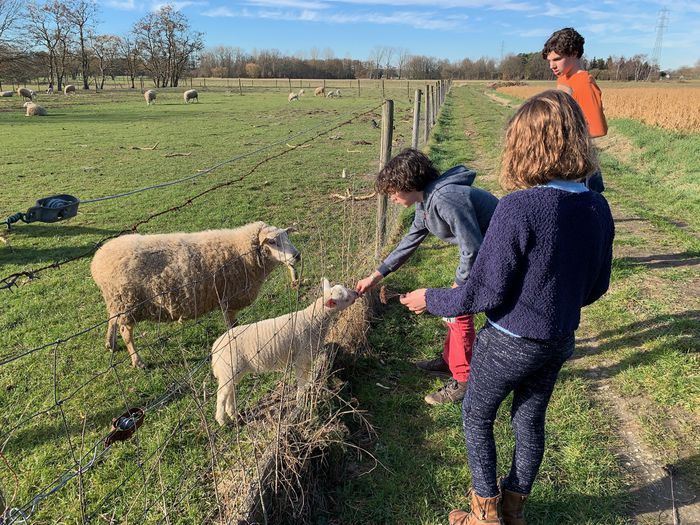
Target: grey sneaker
[(452, 392), (436, 366)]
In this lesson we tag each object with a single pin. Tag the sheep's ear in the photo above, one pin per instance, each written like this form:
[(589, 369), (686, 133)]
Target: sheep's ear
[(325, 285), (291, 229)]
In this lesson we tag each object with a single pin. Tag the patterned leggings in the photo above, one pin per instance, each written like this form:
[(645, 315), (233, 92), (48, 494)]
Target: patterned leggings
[(502, 364)]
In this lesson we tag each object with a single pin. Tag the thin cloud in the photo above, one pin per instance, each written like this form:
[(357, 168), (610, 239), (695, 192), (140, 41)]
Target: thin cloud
[(299, 4), (124, 5)]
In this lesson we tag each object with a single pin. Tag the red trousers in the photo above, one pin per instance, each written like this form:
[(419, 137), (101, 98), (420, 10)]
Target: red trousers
[(458, 345)]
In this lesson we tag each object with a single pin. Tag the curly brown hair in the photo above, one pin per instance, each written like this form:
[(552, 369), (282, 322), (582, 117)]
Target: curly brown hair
[(410, 170), (547, 139), (566, 42)]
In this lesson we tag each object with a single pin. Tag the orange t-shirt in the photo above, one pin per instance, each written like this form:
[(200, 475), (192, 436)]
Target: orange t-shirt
[(587, 93)]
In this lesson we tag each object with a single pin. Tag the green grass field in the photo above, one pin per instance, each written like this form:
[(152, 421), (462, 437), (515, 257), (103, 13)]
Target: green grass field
[(58, 401), (638, 345)]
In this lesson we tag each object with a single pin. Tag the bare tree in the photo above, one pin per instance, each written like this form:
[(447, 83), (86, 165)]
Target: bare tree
[(129, 56), (82, 15), (106, 50), (48, 26), (403, 55), (9, 11), (167, 44)]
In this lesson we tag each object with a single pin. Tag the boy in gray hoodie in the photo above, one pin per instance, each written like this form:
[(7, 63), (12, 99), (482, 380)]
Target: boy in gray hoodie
[(451, 209)]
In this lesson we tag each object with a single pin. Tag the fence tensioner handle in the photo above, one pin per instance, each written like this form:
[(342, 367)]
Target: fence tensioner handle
[(49, 209)]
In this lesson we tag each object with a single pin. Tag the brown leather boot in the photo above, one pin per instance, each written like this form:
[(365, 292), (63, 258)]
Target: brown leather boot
[(484, 511), (512, 506)]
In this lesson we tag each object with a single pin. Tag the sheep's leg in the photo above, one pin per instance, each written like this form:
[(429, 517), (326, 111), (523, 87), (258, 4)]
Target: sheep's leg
[(304, 372), (111, 339), (231, 406), (127, 332), (222, 401)]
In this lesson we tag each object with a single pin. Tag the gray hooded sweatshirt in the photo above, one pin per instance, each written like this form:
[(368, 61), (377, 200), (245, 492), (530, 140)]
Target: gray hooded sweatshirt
[(453, 211)]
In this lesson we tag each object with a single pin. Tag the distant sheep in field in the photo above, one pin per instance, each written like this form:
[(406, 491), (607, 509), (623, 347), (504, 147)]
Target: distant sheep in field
[(292, 96), (34, 110), (26, 93), (333, 94), (6, 93), (190, 94), (301, 93), (175, 276), (293, 339), (319, 91), (70, 88), (150, 97)]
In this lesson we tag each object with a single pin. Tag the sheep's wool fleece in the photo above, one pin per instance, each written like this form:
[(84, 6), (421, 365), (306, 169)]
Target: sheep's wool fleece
[(180, 275), (35, 110)]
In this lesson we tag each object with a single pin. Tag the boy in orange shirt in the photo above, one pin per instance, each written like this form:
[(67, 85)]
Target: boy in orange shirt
[(563, 50)]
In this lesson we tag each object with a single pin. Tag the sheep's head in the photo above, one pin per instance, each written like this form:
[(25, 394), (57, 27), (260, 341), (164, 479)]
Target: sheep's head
[(275, 245), (337, 297)]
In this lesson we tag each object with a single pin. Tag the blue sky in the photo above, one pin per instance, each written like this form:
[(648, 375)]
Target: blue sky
[(451, 29)]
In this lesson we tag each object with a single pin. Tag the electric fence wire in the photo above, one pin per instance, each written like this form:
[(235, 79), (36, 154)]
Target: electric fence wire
[(10, 281)]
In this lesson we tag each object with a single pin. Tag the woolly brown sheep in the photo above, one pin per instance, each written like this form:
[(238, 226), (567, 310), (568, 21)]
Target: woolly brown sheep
[(70, 88), (26, 93), (169, 277), (190, 94)]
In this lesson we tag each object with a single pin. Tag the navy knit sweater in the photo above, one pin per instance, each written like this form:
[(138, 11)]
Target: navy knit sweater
[(546, 254)]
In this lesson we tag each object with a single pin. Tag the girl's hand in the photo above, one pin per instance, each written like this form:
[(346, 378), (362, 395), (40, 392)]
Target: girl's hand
[(414, 301), (368, 283)]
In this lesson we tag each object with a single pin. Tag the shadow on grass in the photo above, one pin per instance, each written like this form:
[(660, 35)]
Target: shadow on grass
[(664, 260), (681, 329)]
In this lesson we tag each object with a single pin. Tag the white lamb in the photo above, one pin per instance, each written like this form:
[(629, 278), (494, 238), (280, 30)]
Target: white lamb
[(293, 339), (333, 94), (150, 97), (34, 110), (169, 277), (26, 93), (70, 88), (319, 91), (292, 96), (301, 93), (190, 94)]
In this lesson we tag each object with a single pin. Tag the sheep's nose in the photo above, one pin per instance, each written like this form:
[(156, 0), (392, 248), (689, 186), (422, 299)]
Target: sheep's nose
[(297, 257)]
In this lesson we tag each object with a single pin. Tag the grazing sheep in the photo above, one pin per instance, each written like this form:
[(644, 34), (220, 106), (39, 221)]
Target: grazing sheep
[(333, 94), (34, 110), (293, 339), (169, 277), (319, 91), (6, 93), (150, 97), (70, 88), (292, 96), (26, 93), (301, 93), (190, 94)]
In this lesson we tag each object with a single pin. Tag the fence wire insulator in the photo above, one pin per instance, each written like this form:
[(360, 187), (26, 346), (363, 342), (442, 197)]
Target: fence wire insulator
[(124, 426)]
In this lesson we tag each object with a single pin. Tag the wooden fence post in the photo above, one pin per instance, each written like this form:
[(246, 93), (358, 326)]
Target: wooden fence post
[(240, 87), (358, 88), (385, 155), (416, 119), (383, 89), (290, 84), (427, 113), (434, 111)]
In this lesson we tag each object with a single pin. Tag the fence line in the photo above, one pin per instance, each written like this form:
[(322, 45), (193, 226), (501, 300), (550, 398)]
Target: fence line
[(184, 382), (9, 281)]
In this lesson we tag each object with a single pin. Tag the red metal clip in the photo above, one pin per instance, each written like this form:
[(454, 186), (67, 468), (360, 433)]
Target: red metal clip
[(124, 426)]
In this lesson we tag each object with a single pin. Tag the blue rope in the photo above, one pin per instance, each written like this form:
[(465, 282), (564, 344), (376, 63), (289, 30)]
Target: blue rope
[(19, 216)]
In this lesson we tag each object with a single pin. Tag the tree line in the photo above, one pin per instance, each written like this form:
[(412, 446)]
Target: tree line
[(57, 40)]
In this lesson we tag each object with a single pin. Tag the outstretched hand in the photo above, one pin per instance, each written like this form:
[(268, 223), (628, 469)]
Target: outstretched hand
[(366, 284), (414, 301)]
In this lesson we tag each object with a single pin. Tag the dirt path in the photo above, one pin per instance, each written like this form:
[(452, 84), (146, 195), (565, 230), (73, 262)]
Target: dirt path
[(649, 481)]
